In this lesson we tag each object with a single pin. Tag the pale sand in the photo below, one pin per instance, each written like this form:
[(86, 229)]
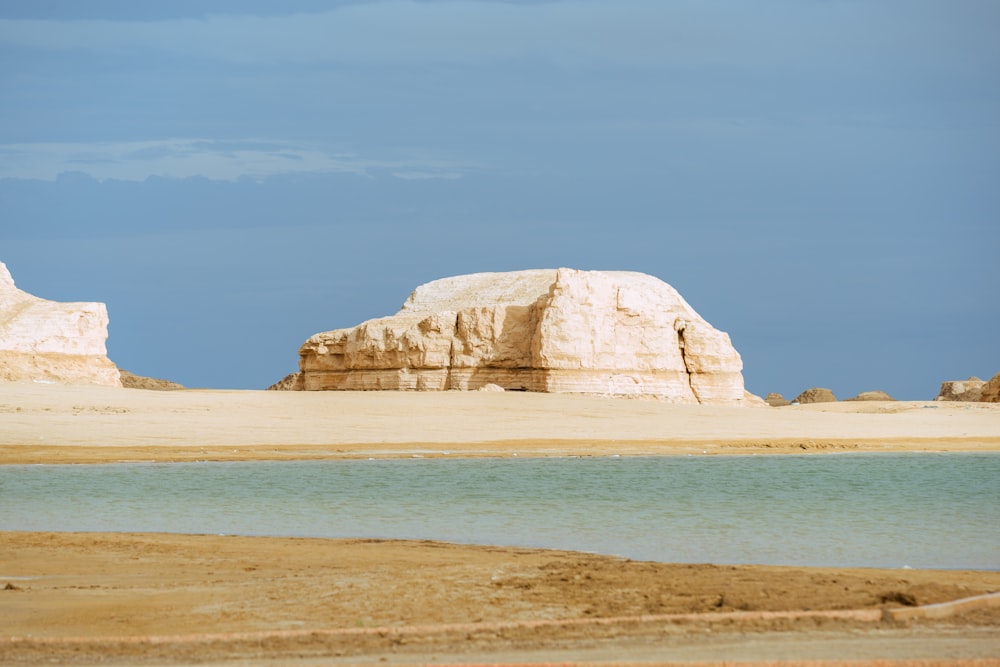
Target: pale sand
[(55, 423)]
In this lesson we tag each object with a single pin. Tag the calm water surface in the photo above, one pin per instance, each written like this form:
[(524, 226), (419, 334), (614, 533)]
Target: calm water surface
[(917, 510)]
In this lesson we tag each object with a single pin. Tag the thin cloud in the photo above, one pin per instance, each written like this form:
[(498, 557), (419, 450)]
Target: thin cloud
[(184, 158), (799, 35), (427, 175)]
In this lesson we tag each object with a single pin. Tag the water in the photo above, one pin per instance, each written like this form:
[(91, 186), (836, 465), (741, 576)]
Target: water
[(878, 510)]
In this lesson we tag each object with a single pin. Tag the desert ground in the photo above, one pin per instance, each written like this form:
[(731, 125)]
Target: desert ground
[(79, 598)]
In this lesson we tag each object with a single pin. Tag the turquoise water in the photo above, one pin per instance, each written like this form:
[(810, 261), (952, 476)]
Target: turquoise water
[(879, 510)]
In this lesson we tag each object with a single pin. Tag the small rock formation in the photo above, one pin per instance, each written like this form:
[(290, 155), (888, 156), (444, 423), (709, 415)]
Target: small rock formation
[(990, 392), (961, 390), (133, 381), (291, 382), (50, 341), (550, 330), (815, 395), (871, 396), (491, 387), (776, 400)]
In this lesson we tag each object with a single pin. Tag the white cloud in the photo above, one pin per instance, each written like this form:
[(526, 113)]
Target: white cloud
[(183, 158)]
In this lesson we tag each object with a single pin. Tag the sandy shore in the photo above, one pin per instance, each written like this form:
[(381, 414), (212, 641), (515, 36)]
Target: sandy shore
[(170, 599), (53, 423)]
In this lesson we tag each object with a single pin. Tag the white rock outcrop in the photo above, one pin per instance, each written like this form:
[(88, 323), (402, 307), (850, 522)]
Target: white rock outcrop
[(50, 341), (549, 330)]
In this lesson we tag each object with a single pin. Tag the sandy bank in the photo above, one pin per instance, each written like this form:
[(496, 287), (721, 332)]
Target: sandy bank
[(56, 423), (195, 599)]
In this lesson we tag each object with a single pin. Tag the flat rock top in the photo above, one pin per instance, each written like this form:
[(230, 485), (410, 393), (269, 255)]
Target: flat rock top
[(520, 288), (512, 288)]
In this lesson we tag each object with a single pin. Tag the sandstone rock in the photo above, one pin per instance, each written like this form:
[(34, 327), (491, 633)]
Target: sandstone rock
[(133, 381), (815, 395), (291, 382), (961, 390), (549, 330), (776, 400), (50, 341), (871, 396), (990, 392), (753, 400)]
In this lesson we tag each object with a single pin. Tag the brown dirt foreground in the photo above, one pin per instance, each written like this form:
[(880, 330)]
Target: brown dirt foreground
[(88, 598)]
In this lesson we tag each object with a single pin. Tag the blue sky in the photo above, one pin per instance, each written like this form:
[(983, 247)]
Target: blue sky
[(817, 178)]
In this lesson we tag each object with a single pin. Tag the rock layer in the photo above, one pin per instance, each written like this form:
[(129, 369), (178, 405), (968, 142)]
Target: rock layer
[(48, 341), (549, 330)]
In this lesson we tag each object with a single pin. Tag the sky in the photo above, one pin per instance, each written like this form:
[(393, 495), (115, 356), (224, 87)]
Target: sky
[(818, 178)]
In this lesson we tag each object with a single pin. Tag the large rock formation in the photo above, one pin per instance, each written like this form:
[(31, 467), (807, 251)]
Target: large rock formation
[(50, 341), (551, 330), (961, 390)]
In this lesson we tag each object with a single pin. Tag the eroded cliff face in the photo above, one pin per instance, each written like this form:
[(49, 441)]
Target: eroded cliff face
[(50, 341), (551, 330)]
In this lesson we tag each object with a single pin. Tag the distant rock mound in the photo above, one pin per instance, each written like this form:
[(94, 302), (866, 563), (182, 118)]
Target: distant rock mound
[(961, 390), (133, 381), (48, 341), (871, 396), (551, 330), (990, 392), (815, 395), (291, 382), (776, 400)]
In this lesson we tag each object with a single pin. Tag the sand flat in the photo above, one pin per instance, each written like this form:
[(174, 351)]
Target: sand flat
[(58, 423)]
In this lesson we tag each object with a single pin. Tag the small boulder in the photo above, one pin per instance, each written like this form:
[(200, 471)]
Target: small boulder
[(871, 396), (815, 395), (776, 400), (961, 390), (491, 387)]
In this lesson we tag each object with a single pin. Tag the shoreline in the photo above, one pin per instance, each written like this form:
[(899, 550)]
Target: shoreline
[(113, 454)]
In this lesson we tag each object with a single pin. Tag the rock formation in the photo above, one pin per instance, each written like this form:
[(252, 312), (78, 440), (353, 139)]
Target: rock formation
[(50, 341), (776, 400), (990, 392), (871, 396), (961, 390), (291, 382), (133, 381), (550, 330), (815, 395)]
